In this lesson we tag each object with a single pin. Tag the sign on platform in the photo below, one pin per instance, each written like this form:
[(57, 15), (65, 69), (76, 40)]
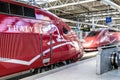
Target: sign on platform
[(108, 19)]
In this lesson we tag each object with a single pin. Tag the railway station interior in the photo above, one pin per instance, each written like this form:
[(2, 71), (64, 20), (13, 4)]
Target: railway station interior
[(59, 39)]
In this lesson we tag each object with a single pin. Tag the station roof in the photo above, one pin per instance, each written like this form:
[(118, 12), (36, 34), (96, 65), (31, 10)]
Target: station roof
[(82, 10)]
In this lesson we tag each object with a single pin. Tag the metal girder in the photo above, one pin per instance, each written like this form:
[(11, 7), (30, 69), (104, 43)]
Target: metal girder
[(85, 8), (112, 4), (87, 16), (104, 14), (76, 22), (87, 13), (102, 19), (60, 3)]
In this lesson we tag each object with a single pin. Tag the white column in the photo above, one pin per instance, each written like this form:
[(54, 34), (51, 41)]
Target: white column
[(93, 22)]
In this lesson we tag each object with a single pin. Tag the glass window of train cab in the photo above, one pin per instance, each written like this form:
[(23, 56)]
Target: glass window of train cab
[(16, 9), (4, 7), (29, 12), (65, 31)]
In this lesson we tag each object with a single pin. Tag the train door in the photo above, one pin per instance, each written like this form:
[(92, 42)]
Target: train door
[(56, 44), (56, 49), (67, 49), (50, 48), (46, 48)]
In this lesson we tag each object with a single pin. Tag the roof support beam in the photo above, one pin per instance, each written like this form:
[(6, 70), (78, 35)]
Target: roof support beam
[(103, 19), (104, 14), (112, 4), (76, 22), (69, 4)]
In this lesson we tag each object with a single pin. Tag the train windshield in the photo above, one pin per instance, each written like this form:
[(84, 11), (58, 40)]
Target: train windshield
[(93, 33)]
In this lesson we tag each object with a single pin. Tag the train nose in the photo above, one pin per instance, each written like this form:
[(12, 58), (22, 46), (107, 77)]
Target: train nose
[(88, 43)]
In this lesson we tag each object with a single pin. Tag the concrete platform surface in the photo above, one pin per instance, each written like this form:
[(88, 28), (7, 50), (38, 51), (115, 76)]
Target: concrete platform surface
[(81, 70)]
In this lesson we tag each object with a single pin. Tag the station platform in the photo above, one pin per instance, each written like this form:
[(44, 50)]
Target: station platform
[(81, 70)]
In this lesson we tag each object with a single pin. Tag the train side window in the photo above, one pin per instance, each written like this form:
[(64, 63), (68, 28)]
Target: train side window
[(4, 7), (29, 12), (65, 31), (16, 9)]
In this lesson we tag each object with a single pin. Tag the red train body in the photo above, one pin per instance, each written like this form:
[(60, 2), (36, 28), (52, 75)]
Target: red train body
[(100, 38), (31, 38)]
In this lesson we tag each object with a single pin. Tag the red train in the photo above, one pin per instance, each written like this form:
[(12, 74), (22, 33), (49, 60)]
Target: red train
[(100, 38), (31, 38)]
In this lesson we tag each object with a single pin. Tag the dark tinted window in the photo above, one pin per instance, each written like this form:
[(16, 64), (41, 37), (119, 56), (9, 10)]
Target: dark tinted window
[(110, 30), (16, 9), (93, 33), (29, 12), (4, 7), (65, 31)]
